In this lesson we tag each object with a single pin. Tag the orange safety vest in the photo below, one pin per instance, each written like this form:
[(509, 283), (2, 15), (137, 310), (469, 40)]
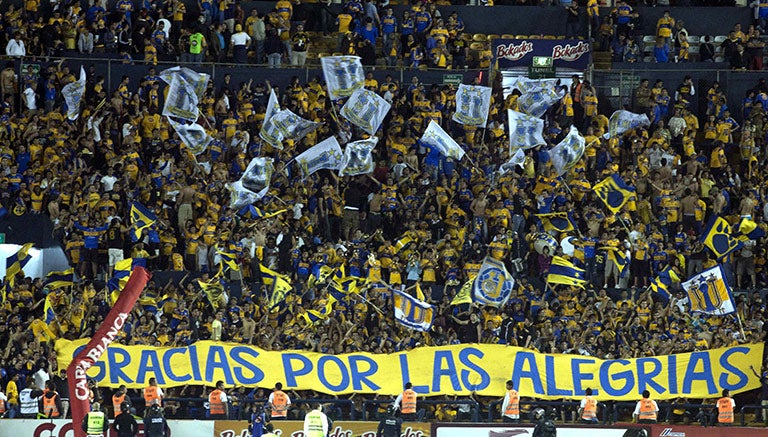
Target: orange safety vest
[(408, 405), (647, 410), (49, 406), (279, 404), (116, 402), (724, 410), (214, 400), (150, 394), (2, 406), (590, 409), (513, 408)]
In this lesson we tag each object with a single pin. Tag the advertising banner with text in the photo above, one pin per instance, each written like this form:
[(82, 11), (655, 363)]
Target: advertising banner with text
[(565, 53), (511, 430), (446, 370), (63, 428), (295, 428)]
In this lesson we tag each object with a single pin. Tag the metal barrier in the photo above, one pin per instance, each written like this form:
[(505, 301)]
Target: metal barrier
[(195, 408), (564, 405), (474, 406), (755, 407)]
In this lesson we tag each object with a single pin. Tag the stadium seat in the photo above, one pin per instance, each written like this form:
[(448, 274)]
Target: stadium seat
[(477, 46), (719, 59), (479, 37), (493, 36), (649, 59), (720, 38), (693, 39), (693, 49), (550, 37), (466, 36), (649, 39), (508, 36), (534, 37)]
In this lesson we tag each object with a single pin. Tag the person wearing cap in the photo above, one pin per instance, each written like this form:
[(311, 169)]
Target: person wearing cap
[(125, 424), (240, 41), (95, 422), (316, 423)]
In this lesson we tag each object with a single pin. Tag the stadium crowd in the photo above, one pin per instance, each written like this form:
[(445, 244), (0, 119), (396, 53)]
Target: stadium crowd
[(419, 218)]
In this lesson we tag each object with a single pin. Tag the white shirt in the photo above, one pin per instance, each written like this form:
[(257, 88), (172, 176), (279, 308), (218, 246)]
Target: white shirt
[(15, 47), (240, 39), (272, 399), (108, 182), (29, 99)]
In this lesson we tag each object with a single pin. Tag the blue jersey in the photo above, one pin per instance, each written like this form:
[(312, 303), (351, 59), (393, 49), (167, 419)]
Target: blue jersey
[(388, 24), (91, 235)]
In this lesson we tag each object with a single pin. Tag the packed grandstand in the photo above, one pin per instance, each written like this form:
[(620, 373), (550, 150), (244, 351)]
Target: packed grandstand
[(488, 219)]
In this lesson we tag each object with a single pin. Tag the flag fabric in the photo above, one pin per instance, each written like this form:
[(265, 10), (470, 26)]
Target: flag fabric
[(518, 159), (562, 271), (341, 288), (436, 137), (525, 131), (357, 157), (268, 133), (253, 184), (343, 75), (567, 152), (314, 317), (16, 262), (73, 94), (493, 285), (285, 125), (403, 243), (320, 275), (50, 315), (535, 103), (325, 155), (717, 236), (214, 291), (366, 110), (747, 229), (412, 312), (472, 105), (141, 218), (193, 136), (251, 212), (61, 279), (228, 259), (618, 256), (556, 221), (662, 283), (709, 293), (120, 275), (280, 288), (186, 88), (623, 120), (614, 192), (526, 85), (464, 295)]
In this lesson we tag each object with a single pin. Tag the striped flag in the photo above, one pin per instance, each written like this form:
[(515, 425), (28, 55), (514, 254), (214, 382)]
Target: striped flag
[(64, 278), (562, 271), (412, 312)]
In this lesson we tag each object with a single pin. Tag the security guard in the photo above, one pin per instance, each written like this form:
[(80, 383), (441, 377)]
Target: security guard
[(95, 422), (725, 407), (510, 408), (391, 425), (646, 410), (218, 402), (279, 402), (51, 401), (406, 403), (153, 393), (155, 424), (117, 400), (316, 423), (125, 424), (588, 408)]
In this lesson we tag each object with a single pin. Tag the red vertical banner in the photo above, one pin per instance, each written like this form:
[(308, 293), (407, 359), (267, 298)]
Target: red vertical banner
[(76, 372)]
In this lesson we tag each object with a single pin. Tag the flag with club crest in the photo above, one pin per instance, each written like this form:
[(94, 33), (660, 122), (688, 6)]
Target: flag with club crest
[(472, 105), (518, 159), (525, 85), (325, 155), (253, 184), (536, 103), (73, 95), (357, 157), (493, 285), (719, 237), (623, 120), (567, 152), (436, 137), (525, 131), (366, 110), (343, 75), (193, 136), (614, 192), (186, 88), (273, 107), (285, 125), (709, 293), (412, 312)]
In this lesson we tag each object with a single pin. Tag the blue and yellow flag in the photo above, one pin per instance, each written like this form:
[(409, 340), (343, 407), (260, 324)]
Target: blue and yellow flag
[(214, 291), (50, 316), (709, 293), (493, 284), (141, 218), (662, 283), (64, 278), (251, 212), (403, 243), (747, 229), (464, 295), (718, 237), (16, 262), (411, 312), (557, 221), (562, 271), (228, 259), (340, 289), (619, 260), (320, 275), (280, 287), (4, 291), (120, 275), (614, 192), (268, 275)]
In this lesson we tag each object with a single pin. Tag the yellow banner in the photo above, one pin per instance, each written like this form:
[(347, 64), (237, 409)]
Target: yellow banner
[(447, 370), (295, 428)]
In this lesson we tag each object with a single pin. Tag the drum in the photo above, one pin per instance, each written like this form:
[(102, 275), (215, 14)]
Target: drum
[(543, 240), (567, 245)]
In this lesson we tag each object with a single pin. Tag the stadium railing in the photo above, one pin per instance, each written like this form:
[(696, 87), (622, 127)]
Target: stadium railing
[(474, 406)]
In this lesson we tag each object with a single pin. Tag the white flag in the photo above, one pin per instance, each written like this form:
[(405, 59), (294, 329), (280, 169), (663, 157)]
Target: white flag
[(192, 135), (240, 197), (493, 285), (567, 152), (186, 88), (253, 184), (537, 102), (357, 157), (472, 105), (285, 125), (525, 131), (343, 75), (273, 107), (518, 158), (366, 109), (436, 137), (73, 95), (325, 155), (622, 121), (525, 85), (709, 292)]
